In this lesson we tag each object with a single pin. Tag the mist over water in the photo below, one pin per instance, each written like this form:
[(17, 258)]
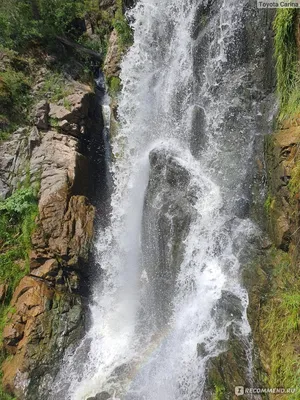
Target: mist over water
[(170, 291)]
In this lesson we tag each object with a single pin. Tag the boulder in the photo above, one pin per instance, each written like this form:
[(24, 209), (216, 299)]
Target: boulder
[(70, 115), (46, 271), (57, 160)]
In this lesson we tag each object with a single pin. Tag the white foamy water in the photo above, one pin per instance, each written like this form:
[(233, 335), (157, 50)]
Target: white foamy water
[(143, 342)]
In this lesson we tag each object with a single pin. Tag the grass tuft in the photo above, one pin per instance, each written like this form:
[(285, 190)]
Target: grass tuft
[(281, 325), (288, 79)]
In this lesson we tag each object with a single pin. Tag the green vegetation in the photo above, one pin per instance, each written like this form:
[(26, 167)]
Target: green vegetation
[(26, 21), (5, 396), (17, 221), (55, 88), (294, 183), (219, 392), (121, 25), (269, 203), (280, 324), (4, 135), (32, 27), (15, 97), (114, 85), (288, 80)]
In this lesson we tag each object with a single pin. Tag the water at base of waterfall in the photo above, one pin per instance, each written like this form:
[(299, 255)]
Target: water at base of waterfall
[(170, 293)]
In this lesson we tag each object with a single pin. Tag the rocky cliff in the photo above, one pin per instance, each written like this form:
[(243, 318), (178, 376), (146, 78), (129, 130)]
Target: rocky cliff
[(272, 278), (59, 149), (48, 304)]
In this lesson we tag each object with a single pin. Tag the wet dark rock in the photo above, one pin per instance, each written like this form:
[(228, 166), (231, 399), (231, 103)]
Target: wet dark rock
[(228, 308), (101, 396), (198, 130), (242, 208), (168, 212), (201, 350), (227, 370)]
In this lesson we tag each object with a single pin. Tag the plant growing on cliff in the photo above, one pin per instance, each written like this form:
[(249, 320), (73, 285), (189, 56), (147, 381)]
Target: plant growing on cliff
[(121, 25), (294, 183), (18, 203), (14, 96), (55, 88), (269, 203), (17, 222), (280, 323), (286, 60), (114, 85), (219, 392)]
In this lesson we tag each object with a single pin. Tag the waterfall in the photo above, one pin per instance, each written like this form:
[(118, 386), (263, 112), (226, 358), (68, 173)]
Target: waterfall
[(170, 291)]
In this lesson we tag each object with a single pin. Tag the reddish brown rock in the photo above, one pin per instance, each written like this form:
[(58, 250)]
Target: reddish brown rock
[(71, 114), (113, 57), (48, 309), (47, 271)]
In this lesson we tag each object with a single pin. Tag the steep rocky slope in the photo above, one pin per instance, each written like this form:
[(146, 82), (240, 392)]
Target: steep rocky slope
[(48, 304), (59, 148)]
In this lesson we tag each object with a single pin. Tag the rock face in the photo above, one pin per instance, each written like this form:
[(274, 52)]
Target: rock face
[(168, 209), (230, 367), (48, 304), (251, 50), (101, 396), (41, 114), (282, 158), (14, 154), (113, 57), (272, 280)]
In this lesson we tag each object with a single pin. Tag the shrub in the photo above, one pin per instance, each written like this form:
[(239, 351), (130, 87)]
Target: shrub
[(24, 21), (17, 222), (121, 25), (114, 85), (55, 88), (14, 94)]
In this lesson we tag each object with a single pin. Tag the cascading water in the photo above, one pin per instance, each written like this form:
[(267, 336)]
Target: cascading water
[(170, 292)]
